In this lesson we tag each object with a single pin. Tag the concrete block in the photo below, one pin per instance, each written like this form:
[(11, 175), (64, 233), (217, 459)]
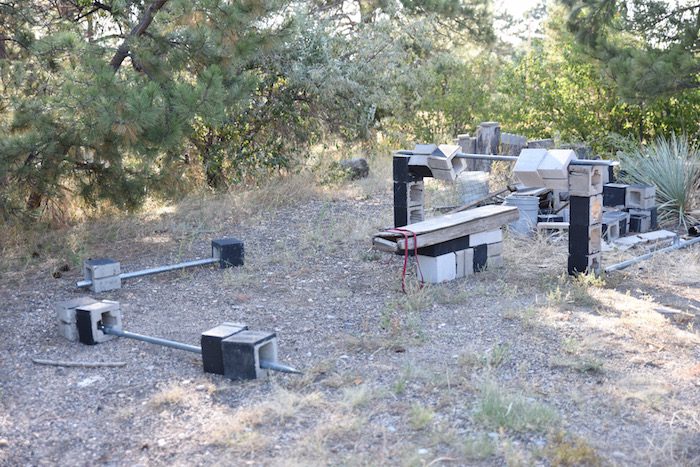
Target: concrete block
[(459, 264), (586, 264), (89, 319), (585, 239), (424, 149), (100, 267), (556, 183), (229, 251), (409, 194), (640, 223), (491, 236), (416, 214), (585, 210), (585, 180), (494, 262), (450, 246), (243, 351), (525, 168), (69, 331), (611, 231), (106, 284), (614, 194), (480, 257), (468, 262), (494, 249), (640, 196), (212, 355), (65, 311), (438, 269), (555, 164)]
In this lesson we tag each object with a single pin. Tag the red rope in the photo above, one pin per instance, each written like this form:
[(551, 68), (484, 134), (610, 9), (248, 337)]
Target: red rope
[(405, 233)]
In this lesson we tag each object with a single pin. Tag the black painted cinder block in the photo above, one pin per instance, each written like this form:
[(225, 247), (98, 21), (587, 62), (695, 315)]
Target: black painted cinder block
[(614, 194), (611, 174), (239, 353), (404, 173), (480, 257), (84, 323), (654, 218), (400, 216), (583, 264), (623, 227), (212, 356), (439, 249), (585, 210), (419, 172), (585, 239), (229, 251)]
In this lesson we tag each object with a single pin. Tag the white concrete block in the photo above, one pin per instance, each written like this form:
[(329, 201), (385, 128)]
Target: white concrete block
[(494, 262), (418, 160), (446, 151), (640, 196), (585, 180), (561, 184), (459, 270), (100, 267), (526, 167), (448, 175), (438, 269), (424, 149), (492, 236), (468, 262), (555, 165), (107, 283), (494, 249)]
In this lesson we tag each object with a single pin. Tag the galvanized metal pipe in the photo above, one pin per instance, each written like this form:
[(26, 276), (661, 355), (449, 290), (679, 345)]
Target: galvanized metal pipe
[(157, 270), (501, 157), (265, 364), (630, 262)]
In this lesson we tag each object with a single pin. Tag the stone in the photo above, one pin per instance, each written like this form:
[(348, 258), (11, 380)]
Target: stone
[(355, 168)]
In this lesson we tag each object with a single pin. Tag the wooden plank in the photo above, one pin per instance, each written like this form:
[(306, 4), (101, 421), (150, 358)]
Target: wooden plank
[(451, 220), (552, 226), (383, 244)]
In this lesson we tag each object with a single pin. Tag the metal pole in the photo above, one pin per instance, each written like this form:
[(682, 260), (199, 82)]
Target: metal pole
[(501, 157), (157, 270), (630, 262), (265, 364)]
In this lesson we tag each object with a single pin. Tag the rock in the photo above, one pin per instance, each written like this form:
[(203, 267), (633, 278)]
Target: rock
[(356, 168)]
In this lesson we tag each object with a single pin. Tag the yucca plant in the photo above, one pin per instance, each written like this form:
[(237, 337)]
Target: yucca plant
[(673, 166)]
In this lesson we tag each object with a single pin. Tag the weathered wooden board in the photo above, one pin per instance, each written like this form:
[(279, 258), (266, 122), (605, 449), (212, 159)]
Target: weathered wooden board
[(443, 228)]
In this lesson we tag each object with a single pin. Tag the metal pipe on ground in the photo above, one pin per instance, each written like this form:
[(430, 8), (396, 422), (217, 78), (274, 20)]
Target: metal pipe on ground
[(157, 270), (630, 262), (265, 364)]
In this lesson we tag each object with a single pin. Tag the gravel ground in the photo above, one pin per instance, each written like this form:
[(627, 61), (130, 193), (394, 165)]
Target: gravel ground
[(514, 366)]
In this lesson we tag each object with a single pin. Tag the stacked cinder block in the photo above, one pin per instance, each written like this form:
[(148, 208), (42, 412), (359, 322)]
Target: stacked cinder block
[(82, 319), (539, 167), (638, 203), (408, 193), (585, 218), (461, 257)]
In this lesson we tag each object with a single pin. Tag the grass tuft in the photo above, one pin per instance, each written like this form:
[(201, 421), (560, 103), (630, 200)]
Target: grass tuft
[(498, 409)]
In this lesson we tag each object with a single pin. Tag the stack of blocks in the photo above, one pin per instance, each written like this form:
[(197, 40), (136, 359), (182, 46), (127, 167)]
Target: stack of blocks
[(461, 256), (234, 351), (538, 167), (585, 218), (638, 203), (408, 193)]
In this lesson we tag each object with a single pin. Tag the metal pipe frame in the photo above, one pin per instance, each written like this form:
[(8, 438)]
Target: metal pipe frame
[(157, 270), (630, 262)]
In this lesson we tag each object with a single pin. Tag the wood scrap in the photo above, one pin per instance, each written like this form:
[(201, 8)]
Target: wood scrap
[(475, 203)]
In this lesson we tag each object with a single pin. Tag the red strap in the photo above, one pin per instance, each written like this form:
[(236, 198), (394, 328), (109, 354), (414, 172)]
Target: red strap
[(405, 233)]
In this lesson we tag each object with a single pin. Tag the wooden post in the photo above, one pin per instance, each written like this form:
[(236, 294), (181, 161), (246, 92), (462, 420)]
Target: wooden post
[(468, 145), (488, 137)]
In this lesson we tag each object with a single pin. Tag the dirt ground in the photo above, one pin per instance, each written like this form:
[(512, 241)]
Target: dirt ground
[(516, 366)]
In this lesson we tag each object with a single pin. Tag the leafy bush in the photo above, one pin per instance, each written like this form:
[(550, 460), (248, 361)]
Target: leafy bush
[(673, 166)]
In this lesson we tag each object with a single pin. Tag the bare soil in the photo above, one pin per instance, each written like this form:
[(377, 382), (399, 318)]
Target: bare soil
[(521, 365)]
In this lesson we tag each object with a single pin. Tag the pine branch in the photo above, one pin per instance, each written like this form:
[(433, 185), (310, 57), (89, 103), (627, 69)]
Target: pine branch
[(123, 49)]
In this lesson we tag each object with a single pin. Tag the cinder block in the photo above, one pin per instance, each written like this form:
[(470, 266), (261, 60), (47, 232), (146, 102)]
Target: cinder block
[(586, 264), (556, 163), (243, 351), (611, 231), (585, 180), (556, 184), (459, 264), (492, 236), (444, 165), (585, 210), (65, 311), (640, 196), (468, 262), (90, 318), (100, 267), (408, 194), (450, 246), (69, 331), (438, 269), (104, 274), (480, 257), (585, 239), (229, 251), (525, 168), (212, 355), (494, 249), (614, 194), (416, 214), (494, 262), (640, 223)]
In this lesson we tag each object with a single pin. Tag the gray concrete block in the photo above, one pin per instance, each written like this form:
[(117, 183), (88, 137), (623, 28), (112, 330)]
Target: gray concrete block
[(65, 311), (494, 249), (640, 196), (492, 236), (106, 283), (99, 268), (525, 168), (105, 312), (438, 269), (585, 180), (494, 262)]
